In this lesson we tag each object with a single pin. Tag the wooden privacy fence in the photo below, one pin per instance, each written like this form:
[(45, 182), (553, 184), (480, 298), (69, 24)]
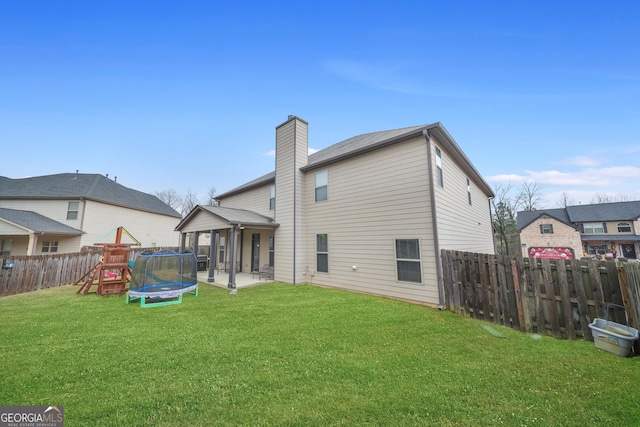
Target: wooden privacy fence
[(32, 273), (546, 296)]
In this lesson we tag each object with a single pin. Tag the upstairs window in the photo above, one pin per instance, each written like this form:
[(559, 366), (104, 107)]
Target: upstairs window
[(468, 191), (322, 181), (72, 210), (624, 227), (49, 247), (594, 228), (272, 197), (322, 253), (546, 228), (408, 260), (439, 176)]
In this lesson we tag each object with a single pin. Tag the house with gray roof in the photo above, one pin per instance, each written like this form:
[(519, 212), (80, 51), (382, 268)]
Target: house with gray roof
[(368, 214), (604, 229), (62, 213)]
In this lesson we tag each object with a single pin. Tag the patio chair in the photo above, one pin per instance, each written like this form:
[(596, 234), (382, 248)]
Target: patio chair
[(260, 272), (267, 274)]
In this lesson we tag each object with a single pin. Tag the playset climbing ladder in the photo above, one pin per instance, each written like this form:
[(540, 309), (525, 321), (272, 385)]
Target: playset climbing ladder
[(112, 273)]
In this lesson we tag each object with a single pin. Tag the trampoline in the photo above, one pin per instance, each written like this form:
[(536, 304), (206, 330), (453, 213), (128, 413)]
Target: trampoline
[(161, 278)]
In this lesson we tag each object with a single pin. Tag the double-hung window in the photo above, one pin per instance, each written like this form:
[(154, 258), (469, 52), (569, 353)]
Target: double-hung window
[(322, 182), (49, 247), (322, 253), (546, 228), (594, 228), (408, 260), (72, 210)]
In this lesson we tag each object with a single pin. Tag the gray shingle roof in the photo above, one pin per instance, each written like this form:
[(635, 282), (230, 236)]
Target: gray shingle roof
[(618, 211), (36, 222), (371, 141), (82, 186)]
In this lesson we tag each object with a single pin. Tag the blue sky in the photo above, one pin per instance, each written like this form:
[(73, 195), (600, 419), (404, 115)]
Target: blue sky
[(186, 95)]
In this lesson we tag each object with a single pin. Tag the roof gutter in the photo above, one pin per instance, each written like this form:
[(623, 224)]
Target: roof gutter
[(434, 222)]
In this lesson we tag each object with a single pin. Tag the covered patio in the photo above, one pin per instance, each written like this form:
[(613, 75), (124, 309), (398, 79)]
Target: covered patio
[(235, 236)]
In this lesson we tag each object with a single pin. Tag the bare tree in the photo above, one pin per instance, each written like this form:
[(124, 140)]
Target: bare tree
[(170, 197), (530, 196), (504, 208), (566, 200), (609, 198), (211, 197), (189, 201)]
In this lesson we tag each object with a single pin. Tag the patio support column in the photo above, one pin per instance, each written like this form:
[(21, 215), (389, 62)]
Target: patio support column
[(232, 257), (212, 256), (196, 234), (183, 241)]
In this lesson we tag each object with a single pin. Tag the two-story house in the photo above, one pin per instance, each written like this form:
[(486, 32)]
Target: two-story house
[(609, 229), (369, 214), (62, 213)]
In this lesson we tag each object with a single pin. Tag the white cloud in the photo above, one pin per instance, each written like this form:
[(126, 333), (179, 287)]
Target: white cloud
[(583, 161)]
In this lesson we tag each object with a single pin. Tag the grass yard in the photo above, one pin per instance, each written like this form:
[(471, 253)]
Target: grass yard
[(297, 355)]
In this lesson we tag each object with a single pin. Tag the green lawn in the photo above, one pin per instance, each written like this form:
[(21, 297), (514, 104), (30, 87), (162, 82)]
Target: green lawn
[(297, 355)]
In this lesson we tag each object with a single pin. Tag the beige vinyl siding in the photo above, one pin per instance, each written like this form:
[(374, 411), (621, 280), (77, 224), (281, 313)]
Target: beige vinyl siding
[(374, 199), (256, 200), (66, 244), (19, 244), (612, 228), (6, 228), (54, 209), (204, 221), (461, 226), (97, 219), (148, 228), (291, 155)]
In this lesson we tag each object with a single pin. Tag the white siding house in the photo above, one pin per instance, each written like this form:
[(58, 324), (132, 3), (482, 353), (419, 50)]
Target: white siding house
[(64, 212), (368, 214)]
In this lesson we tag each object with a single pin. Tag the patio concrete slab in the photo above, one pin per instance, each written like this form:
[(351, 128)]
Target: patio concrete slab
[(221, 279)]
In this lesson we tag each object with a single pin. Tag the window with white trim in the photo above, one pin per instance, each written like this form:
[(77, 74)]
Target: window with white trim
[(594, 228), (439, 175), (72, 210), (468, 191), (408, 260), (546, 228), (322, 182), (49, 247), (624, 227), (272, 197), (322, 253)]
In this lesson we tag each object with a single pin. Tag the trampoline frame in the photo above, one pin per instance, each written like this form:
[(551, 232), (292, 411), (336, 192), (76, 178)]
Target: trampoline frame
[(166, 293)]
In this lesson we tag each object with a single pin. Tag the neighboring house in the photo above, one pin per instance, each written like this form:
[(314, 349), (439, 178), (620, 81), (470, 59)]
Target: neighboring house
[(62, 213), (368, 214), (574, 231)]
